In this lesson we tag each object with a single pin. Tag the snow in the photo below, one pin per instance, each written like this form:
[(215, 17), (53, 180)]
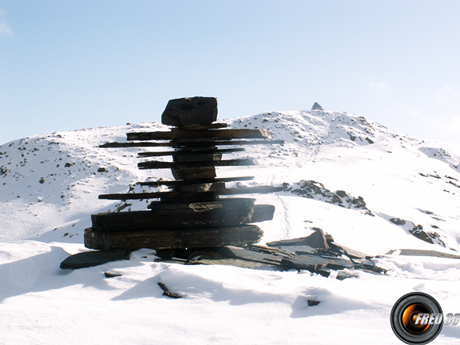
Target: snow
[(49, 186)]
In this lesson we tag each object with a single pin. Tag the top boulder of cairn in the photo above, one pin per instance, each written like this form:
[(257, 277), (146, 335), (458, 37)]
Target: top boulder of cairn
[(190, 111)]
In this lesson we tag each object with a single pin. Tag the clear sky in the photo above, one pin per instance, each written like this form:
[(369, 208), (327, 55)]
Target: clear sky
[(72, 64)]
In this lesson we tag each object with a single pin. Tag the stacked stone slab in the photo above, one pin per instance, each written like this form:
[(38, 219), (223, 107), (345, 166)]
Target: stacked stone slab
[(196, 212)]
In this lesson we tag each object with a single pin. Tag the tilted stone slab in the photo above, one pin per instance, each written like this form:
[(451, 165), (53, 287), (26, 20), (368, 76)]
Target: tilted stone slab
[(171, 239), (182, 195), (197, 181), (94, 258), (188, 152), (217, 133), (195, 164), (191, 144)]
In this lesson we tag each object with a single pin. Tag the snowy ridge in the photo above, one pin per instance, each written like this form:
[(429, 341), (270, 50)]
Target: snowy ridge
[(53, 180), (371, 188)]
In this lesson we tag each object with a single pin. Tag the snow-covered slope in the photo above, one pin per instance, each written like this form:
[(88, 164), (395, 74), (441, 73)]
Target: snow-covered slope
[(50, 183), (371, 188)]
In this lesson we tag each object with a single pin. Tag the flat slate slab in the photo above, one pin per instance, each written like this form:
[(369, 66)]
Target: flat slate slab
[(423, 252), (195, 164), (172, 239), (188, 152), (217, 133), (310, 262), (316, 240), (193, 144), (184, 195), (196, 181), (203, 215), (94, 258)]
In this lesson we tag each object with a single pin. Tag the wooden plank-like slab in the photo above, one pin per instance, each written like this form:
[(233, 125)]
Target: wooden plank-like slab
[(196, 181), (171, 239), (191, 144), (191, 218), (197, 157), (155, 195), (217, 133), (196, 164), (183, 152), (211, 214), (227, 202), (201, 127)]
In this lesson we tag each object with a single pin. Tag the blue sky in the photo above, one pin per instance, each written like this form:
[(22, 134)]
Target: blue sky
[(76, 64)]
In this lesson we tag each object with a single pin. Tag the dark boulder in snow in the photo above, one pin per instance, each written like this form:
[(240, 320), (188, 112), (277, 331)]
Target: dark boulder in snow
[(315, 190), (190, 111)]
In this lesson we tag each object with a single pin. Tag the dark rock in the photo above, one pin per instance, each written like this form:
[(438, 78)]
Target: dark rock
[(418, 232), (190, 111), (329, 238), (111, 274), (262, 213), (312, 303), (94, 258), (359, 202), (314, 190), (369, 140), (316, 106), (341, 193), (168, 293), (398, 221), (316, 240), (342, 275)]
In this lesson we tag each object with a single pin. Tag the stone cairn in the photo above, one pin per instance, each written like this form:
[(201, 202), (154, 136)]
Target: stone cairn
[(193, 213)]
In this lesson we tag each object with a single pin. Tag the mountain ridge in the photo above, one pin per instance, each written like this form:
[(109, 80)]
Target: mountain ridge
[(50, 182)]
